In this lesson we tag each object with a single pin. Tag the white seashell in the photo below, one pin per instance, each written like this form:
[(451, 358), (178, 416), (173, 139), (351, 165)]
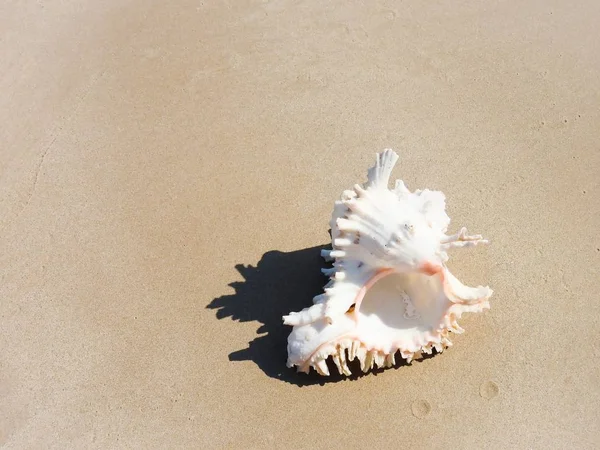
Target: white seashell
[(390, 290)]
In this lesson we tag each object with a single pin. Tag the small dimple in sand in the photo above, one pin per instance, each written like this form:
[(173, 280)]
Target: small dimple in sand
[(420, 408), (488, 390)]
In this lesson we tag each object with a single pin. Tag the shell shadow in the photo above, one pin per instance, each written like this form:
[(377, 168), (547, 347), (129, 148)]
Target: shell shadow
[(280, 283)]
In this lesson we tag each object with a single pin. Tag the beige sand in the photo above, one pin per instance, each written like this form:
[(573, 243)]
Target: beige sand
[(168, 172)]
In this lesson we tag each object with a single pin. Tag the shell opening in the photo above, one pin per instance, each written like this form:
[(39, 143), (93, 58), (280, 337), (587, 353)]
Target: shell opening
[(398, 307)]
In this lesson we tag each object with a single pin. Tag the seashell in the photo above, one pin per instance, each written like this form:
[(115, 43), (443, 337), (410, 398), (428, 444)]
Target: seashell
[(390, 291)]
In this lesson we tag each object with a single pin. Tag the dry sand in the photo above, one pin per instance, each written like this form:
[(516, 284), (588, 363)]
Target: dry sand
[(168, 170)]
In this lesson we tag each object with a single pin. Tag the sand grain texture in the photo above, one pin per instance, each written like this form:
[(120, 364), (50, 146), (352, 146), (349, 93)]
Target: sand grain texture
[(167, 174)]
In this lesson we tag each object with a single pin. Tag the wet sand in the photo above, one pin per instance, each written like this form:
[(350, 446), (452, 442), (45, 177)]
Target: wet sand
[(168, 171)]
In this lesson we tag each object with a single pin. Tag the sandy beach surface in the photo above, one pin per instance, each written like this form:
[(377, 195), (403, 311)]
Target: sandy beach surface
[(168, 171)]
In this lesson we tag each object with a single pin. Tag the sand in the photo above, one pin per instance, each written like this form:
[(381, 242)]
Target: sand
[(168, 171)]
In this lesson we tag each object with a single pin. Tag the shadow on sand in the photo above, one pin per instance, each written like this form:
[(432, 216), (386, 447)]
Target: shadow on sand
[(281, 283)]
